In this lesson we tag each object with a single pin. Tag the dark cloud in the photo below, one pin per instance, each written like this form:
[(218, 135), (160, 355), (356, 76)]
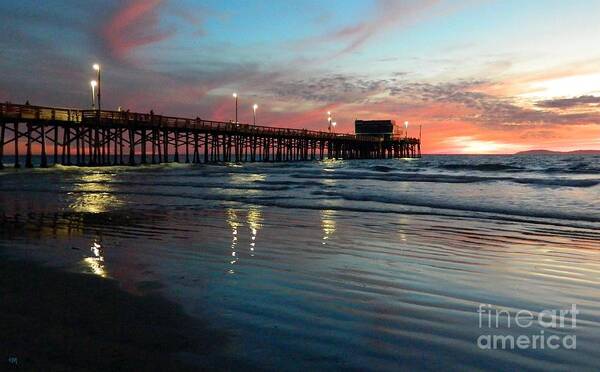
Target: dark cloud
[(484, 109), (565, 103), (502, 112), (331, 88), (539, 134)]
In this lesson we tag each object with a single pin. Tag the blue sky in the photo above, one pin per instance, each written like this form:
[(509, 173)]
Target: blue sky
[(490, 76)]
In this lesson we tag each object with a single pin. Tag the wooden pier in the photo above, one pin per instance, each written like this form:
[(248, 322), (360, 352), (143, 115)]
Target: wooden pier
[(101, 138)]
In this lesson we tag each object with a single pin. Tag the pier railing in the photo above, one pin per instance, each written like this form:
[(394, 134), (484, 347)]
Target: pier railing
[(28, 112), (125, 118)]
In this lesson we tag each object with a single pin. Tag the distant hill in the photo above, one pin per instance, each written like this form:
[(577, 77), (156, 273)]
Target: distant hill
[(549, 152)]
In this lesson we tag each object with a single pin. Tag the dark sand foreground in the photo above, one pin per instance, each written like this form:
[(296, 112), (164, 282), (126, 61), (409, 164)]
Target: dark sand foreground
[(52, 320)]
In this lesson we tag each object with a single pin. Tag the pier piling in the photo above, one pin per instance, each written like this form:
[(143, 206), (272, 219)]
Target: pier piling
[(2, 131)]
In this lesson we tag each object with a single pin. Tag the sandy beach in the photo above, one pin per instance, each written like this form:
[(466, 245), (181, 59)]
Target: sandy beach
[(372, 265), (59, 321)]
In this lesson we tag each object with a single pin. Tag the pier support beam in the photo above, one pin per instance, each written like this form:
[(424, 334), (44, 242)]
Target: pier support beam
[(78, 146), (2, 131), (28, 161), (143, 143), (176, 135), (205, 148), (196, 157), (44, 159), (115, 148), (131, 147), (55, 149), (159, 146), (166, 145), (16, 128), (187, 147)]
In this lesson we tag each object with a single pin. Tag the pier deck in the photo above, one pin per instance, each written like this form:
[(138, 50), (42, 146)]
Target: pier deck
[(92, 137)]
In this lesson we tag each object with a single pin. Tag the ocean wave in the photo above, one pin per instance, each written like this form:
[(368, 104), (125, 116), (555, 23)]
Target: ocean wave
[(382, 168), (487, 167), (330, 200), (449, 178), (397, 177), (471, 207), (558, 182)]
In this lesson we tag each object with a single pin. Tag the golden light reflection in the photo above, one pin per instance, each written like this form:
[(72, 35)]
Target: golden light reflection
[(93, 194), (402, 232), (234, 224), (254, 221), (245, 178), (327, 224), (96, 261)]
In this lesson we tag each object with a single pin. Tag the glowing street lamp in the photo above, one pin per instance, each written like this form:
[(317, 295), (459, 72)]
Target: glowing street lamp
[(406, 129), (254, 109), (235, 95), (329, 121), (96, 67), (333, 125), (93, 84)]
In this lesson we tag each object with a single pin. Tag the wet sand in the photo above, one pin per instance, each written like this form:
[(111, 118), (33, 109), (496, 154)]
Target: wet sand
[(59, 321), (306, 266)]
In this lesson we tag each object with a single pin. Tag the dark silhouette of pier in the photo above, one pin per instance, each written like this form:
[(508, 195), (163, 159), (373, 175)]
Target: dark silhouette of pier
[(93, 137)]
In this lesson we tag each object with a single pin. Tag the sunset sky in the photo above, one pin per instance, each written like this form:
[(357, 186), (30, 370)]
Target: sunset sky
[(479, 76)]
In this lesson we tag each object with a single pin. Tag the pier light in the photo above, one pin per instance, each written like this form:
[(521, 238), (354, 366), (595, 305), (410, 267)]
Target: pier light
[(96, 67), (333, 124), (254, 111), (329, 120), (93, 84), (406, 129), (235, 95)]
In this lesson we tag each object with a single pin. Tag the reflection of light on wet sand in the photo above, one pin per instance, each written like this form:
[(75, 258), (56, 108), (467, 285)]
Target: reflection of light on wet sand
[(93, 194), (96, 261), (403, 222), (254, 221), (234, 224), (327, 224), (246, 178)]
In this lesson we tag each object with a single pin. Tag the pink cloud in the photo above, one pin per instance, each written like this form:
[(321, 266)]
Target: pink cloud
[(386, 15), (389, 13), (135, 25)]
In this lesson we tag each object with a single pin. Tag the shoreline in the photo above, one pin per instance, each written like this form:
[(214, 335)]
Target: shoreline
[(55, 320)]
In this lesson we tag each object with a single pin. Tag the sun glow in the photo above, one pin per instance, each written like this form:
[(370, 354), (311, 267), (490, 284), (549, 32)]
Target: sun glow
[(471, 145), (571, 86)]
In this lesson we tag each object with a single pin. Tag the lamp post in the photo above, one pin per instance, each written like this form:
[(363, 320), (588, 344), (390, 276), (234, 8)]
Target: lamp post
[(93, 84), (96, 67), (329, 121), (254, 110), (235, 95), (406, 129), (333, 126)]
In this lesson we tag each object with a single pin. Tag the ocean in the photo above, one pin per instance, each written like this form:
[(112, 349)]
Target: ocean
[(362, 264)]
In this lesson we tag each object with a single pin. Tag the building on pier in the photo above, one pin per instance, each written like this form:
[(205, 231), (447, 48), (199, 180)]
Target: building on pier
[(384, 129)]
